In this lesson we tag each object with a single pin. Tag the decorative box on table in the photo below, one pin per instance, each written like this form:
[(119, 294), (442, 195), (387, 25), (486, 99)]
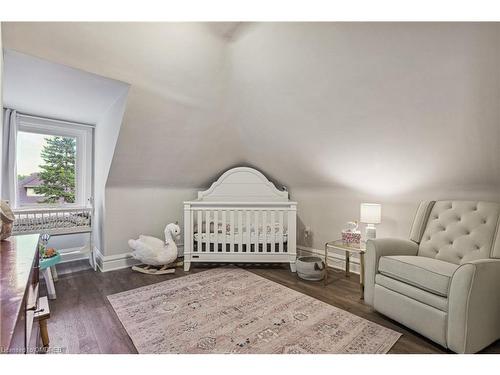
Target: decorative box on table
[(351, 235)]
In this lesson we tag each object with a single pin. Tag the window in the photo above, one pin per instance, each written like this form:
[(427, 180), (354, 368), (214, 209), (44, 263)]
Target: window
[(53, 162)]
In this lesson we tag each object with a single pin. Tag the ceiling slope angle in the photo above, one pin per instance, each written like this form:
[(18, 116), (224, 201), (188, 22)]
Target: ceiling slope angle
[(39, 87), (381, 108), (35, 86), (174, 130)]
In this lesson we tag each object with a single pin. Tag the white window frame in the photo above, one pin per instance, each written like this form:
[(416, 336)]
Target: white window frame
[(84, 156)]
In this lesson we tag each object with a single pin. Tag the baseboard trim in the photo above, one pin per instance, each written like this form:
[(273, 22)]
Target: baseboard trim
[(335, 259), (106, 263), (73, 254)]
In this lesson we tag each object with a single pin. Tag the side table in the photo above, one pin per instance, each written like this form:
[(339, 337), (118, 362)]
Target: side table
[(348, 249)]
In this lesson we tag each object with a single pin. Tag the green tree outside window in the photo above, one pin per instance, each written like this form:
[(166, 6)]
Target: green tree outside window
[(58, 171)]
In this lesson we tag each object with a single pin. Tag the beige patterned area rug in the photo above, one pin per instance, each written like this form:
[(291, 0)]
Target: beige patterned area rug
[(230, 310)]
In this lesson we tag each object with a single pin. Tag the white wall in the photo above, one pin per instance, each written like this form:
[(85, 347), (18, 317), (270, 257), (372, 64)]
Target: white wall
[(106, 135), (131, 211), (326, 211), (383, 108), (393, 113)]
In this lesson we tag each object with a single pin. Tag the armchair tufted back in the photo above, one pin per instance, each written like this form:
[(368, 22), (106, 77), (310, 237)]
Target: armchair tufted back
[(457, 231)]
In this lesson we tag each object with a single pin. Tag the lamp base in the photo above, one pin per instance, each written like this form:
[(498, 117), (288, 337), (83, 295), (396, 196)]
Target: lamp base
[(370, 232)]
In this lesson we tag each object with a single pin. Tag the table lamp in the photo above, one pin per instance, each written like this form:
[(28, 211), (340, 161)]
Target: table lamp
[(370, 214)]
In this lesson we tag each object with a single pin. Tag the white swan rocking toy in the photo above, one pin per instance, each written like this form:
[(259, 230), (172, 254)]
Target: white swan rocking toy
[(158, 257)]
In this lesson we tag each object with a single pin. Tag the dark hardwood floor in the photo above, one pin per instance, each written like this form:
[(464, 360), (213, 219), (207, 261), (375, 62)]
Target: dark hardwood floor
[(83, 321)]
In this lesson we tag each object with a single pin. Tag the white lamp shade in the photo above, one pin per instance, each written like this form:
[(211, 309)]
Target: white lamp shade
[(370, 213)]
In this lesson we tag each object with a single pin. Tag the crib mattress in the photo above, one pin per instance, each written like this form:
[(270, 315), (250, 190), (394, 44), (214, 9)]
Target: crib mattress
[(219, 238)]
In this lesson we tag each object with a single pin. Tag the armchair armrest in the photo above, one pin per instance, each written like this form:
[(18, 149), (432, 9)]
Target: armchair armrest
[(474, 306), (378, 248)]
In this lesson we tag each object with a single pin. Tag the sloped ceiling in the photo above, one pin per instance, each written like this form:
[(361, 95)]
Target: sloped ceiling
[(35, 86), (382, 108), (229, 31), (172, 133), (379, 107)]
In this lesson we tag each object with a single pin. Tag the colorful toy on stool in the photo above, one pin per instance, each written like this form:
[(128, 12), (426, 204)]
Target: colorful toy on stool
[(49, 257)]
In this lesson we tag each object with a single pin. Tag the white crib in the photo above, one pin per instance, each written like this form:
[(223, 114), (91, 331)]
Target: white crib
[(241, 218)]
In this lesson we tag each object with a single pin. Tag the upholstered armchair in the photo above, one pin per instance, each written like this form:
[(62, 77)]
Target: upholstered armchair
[(444, 281)]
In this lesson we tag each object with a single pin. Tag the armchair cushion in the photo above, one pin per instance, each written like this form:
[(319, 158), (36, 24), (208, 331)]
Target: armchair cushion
[(425, 273), (460, 231), (420, 295)]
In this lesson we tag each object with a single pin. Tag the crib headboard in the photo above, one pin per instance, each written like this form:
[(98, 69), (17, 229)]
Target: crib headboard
[(243, 184)]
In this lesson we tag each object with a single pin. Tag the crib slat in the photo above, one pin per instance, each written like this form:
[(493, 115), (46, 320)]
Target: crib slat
[(216, 230), (273, 234), (267, 224), (224, 231), (280, 231), (256, 232), (207, 231), (264, 231), (199, 225), (240, 231), (231, 231), (248, 232)]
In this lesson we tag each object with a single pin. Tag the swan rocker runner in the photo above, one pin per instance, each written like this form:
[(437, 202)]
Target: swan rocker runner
[(158, 257)]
